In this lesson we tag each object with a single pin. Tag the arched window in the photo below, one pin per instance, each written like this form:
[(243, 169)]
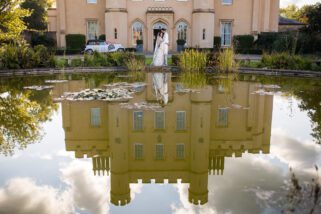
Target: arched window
[(182, 31), (137, 32), (115, 33)]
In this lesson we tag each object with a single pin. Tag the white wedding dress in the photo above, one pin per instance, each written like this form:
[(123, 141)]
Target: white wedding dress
[(158, 58), (160, 85)]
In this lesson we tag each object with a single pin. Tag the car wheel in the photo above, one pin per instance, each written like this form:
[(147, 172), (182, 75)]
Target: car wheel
[(121, 50), (90, 52)]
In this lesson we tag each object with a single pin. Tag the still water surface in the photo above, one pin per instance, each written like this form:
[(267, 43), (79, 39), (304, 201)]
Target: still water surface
[(225, 147)]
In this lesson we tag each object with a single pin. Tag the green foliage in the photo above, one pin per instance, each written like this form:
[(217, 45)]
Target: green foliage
[(293, 12), (42, 39), (75, 41), (61, 63), (20, 119), (226, 61), (38, 18), (266, 40), (180, 42), (135, 64), (139, 42), (314, 18), (76, 63), (11, 23), (285, 61), (217, 42), (243, 41), (13, 56), (193, 79), (102, 37), (193, 60)]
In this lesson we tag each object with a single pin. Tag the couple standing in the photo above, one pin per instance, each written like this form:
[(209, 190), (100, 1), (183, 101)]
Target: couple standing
[(161, 49)]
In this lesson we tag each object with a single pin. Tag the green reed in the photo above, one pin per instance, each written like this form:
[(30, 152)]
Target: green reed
[(226, 61)]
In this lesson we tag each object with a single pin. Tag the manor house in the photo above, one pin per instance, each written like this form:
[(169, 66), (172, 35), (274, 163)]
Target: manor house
[(195, 21)]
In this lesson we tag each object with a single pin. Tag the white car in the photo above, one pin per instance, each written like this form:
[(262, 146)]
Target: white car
[(102, 47)]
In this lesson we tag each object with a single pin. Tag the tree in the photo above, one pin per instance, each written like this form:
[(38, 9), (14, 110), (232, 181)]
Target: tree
[(293, 12), (11, 23), (314, 18), (38, 19)]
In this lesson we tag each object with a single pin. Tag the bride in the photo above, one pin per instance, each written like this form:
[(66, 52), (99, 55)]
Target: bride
[(158, 59)]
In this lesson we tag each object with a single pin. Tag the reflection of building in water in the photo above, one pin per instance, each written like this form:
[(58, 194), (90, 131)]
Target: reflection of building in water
[(187, 139)]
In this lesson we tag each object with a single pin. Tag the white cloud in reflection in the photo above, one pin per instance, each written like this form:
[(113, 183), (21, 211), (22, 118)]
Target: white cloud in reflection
[(84, 191), (23, 195), (250, 183)]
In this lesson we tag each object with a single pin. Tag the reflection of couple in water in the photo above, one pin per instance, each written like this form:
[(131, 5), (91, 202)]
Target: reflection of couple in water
[(160, 81)]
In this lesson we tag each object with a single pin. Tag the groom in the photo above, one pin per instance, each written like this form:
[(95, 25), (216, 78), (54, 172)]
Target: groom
[(165, 43)]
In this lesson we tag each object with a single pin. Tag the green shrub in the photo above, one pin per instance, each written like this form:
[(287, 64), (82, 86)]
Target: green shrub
[(193, 60), (175, 60), (243, 42), (226, 61), (139, 42), (42, 57), (266, 40), (102, 37), (61, 63), (285, 61), (89, 61), (180, 42), (217, 42), (76, 63), (43, 39), (75, 41), (135, 64)]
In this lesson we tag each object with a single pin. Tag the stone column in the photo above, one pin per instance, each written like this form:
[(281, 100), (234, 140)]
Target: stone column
[(61, 7)]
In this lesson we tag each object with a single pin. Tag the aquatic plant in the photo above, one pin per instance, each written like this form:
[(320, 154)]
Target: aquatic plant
[(193, 79), (226, 61), (192, 61), (285, 61), (134, 64)]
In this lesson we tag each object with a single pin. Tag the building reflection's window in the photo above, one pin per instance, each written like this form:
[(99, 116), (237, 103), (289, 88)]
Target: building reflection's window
[(95, 117), (222, 119), (159, 151), (138, 151), (138, 120), (159, 120), (180, 151), (180, 120)]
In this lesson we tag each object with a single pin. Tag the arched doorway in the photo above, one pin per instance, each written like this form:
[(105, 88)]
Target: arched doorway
[(157, 27)]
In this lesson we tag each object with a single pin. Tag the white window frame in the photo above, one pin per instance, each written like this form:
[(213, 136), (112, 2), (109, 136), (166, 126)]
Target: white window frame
[(159, 151), (177, 122), (156, 125), (138, 127)]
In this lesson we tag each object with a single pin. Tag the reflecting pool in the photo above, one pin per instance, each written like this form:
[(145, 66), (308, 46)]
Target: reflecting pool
[(115, 143)]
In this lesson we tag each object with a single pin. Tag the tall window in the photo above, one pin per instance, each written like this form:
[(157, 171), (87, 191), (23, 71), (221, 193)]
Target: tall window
[(95, 117), (226, 33), (159, 151), (138, 120), (92, 29), (137, 29), (222, 118), (180, 120), (159, 120), (115, 33), (138, 151), (180, 151), (182, 31)]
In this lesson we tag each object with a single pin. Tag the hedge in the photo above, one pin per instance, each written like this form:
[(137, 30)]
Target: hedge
[(217, 42), (102, 37), (75, 42), (243, 41)]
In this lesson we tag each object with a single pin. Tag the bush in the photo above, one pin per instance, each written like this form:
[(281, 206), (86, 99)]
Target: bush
[(43, 39), (180, 42), (285, 61), (193, 61), (265, 41), (139, 42), (76, 63), (75, 42), (243, 42), (135, 64), (175, 60), (61, 63), (217, 42), (13, 56), (102, 37), (130, 49), (226, 61)]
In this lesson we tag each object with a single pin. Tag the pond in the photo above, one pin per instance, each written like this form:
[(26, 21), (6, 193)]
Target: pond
[(150, 144)]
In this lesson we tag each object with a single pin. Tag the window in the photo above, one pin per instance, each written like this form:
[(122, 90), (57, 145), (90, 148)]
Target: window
[(226, 33), (138, 120), (137, 32), (182, 31), (159, 120), (180, 120), (227, 2), (95, 117), (204, 34), (222, 119), (180, 151), (92, 30), (138, 151), (115, 33), (159, 151)]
